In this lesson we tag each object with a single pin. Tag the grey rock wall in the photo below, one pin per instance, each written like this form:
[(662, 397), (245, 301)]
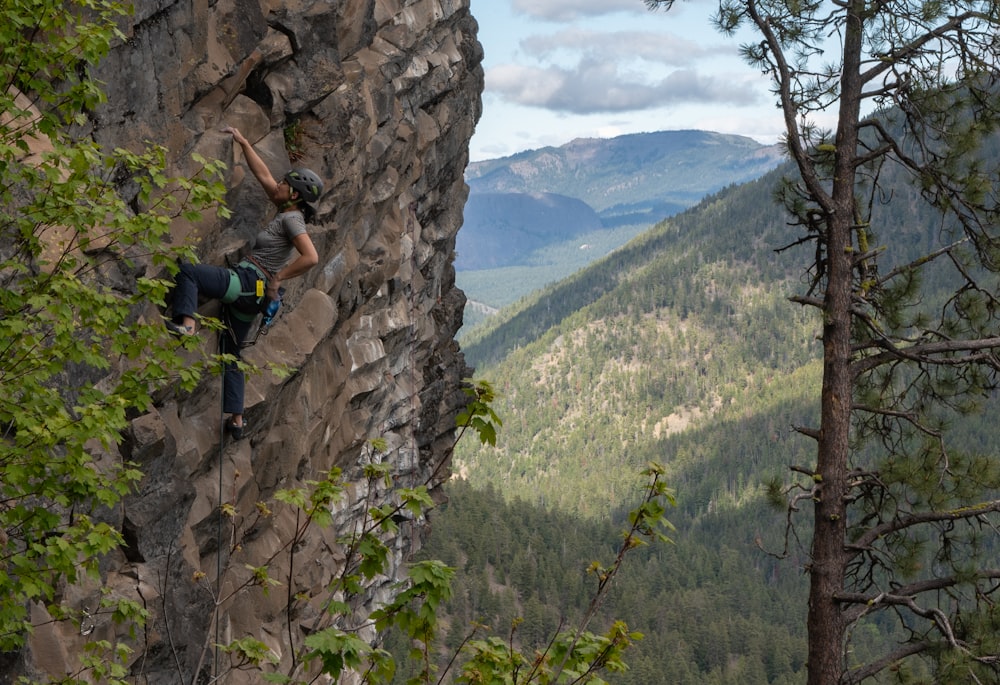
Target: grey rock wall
[(380, 98)]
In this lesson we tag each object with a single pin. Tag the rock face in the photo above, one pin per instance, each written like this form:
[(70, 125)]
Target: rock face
[(380, 97)]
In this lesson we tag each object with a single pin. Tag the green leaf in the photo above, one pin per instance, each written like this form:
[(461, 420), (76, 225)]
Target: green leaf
[(250, 650), (337, 650)]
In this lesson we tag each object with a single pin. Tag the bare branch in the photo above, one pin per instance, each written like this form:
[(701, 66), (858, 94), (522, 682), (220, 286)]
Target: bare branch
[(921, 261), (902, 54), (872, 668), (904, 522), (908, 416), (808, 432), (904, 594), (807, 301), (905, 597), (933, 353)]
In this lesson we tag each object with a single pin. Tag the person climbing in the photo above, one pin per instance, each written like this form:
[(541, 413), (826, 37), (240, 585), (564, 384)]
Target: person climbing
[(282, 250)]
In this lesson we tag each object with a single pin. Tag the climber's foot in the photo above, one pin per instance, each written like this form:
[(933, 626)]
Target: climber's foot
[(176, 329), (234, 429)]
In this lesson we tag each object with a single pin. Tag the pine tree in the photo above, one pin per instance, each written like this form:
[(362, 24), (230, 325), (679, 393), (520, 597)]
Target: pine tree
[(904, 518)]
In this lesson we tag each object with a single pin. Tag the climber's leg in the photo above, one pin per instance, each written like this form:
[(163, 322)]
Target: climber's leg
[(194, 280), (233, 381)]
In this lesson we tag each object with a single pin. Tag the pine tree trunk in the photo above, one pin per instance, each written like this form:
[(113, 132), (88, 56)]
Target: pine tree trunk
[(825, 622), (829, 557)]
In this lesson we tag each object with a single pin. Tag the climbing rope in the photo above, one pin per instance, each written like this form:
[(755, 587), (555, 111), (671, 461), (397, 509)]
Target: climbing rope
[(411, 221), (218, 551)]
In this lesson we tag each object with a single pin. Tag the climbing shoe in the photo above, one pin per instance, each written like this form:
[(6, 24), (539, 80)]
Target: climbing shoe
[(176, 329), (236, 432)]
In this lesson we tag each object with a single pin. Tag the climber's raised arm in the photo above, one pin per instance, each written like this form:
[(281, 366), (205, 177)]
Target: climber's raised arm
[(256, 164)]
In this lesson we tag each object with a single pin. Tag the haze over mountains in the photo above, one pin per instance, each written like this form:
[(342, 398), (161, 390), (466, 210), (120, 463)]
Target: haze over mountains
[(540, 215)]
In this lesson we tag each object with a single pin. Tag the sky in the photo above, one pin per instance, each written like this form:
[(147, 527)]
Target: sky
[(563, 69)]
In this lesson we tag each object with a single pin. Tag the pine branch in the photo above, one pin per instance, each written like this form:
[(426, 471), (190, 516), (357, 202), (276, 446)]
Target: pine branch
[(905, 522), (872, 668), (937, 353)]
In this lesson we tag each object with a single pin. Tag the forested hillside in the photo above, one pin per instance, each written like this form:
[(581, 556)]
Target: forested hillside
[(681, 347), (685, 328), (713, 609), (734, 229)]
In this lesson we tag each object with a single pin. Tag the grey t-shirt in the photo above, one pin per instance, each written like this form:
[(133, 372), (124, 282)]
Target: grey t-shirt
[(273, 247)]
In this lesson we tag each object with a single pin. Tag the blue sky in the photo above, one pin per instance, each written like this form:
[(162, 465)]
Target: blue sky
[(563, 69)]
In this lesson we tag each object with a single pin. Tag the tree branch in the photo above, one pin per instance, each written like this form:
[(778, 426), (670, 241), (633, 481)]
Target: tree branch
[(782, 75), (807, 301), (930, 353), (872, 668), (905, 597), (921, 261), (910, 49), (895, 525), (808, 432)]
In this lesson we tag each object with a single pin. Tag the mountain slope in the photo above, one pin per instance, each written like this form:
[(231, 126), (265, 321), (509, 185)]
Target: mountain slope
[(688, 328), (741, 221), (503, 229), (628, 173), (681, 348)]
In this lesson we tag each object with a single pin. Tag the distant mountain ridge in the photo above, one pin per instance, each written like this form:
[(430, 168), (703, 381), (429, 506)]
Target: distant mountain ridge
[(525, 203), (614, 174)]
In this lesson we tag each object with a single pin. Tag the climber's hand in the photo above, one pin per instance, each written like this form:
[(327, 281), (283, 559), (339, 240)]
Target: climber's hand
[(235, 132)]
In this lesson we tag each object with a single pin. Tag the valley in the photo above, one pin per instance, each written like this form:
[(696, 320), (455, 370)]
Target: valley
[(680, 346)]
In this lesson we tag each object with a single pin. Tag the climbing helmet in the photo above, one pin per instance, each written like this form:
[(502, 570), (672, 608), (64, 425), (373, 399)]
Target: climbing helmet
[(308, 184)]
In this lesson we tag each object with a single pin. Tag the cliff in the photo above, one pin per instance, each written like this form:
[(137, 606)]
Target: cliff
[(380, 97)]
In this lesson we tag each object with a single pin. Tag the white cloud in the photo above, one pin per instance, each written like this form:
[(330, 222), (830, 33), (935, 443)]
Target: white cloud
[(563, 69), (610, 131), (601, 86), (663, 48), (568, 10)]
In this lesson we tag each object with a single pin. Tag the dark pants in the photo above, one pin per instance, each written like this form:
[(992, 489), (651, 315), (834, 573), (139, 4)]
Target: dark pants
[(212, 282)]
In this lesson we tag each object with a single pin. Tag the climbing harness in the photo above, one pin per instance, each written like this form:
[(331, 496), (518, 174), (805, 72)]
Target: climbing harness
[(235, 290), (249, 305)]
